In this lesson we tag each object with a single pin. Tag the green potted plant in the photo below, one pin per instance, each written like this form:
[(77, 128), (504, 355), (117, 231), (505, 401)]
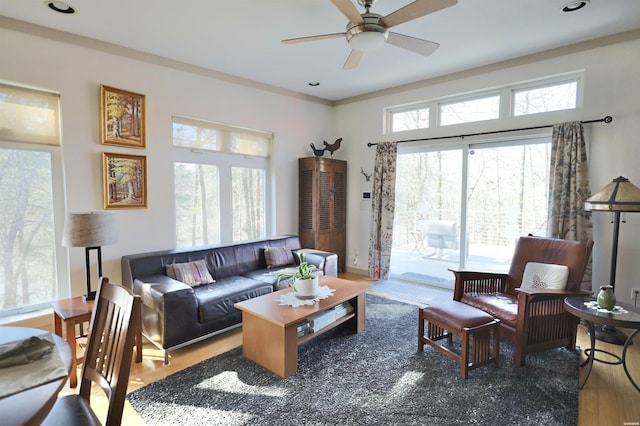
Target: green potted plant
[(305, 283)]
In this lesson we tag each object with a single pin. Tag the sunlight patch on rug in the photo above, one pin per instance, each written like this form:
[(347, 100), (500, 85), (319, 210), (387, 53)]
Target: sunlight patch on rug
[(228, 381), (406, 385)]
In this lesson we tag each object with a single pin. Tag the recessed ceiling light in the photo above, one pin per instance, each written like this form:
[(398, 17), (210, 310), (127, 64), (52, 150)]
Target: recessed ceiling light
[(575, 5), (314, 84), (60, 6)]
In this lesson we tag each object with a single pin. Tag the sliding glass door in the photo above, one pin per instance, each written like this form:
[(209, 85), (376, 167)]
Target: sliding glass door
[(465, 207)]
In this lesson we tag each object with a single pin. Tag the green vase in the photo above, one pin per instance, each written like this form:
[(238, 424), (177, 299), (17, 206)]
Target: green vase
[(606, 298)]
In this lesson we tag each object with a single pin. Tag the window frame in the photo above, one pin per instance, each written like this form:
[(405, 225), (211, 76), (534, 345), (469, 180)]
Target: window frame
[(225, 161), (537, 138), (506, 107), (459, 100), (578, 79)]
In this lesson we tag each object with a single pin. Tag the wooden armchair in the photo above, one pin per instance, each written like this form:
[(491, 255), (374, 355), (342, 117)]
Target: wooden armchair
[(107, 363), (534, 319)]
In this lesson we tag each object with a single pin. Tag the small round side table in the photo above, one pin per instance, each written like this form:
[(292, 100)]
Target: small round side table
[(627, 317)]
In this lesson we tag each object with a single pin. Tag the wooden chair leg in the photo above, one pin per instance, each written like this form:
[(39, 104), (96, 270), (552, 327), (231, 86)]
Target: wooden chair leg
[(420, 331)]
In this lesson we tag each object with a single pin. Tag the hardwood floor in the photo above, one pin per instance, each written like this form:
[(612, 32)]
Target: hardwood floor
[(608, 398)]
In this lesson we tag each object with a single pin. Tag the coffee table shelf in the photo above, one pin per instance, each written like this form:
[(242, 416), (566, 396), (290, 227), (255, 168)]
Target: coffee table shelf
[(331, 326), (270, 331)]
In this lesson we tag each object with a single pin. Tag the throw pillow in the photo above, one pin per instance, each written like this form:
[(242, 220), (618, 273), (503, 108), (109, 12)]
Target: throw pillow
[(278, 256), (545, 275), (191, 273)]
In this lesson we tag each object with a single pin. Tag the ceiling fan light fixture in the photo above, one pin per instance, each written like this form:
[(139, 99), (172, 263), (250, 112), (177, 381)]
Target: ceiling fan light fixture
[(369, 35), (367, 41)]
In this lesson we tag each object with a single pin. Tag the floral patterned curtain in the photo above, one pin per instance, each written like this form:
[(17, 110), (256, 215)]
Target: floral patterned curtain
[(569, 188), (382, 210)]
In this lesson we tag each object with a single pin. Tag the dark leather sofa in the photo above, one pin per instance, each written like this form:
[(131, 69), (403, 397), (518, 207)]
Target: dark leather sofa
[(175, 314)]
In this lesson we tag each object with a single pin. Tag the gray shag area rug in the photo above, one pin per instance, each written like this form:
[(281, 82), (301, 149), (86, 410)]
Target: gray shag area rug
[(373, 378)]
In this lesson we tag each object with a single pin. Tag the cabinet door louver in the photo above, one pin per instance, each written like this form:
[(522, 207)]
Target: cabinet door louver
[(324, 213), (340, 196), (306, 199)]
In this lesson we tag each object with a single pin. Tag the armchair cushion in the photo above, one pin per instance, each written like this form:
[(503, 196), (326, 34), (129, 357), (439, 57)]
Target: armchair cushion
[(498, 305), (545, 275)]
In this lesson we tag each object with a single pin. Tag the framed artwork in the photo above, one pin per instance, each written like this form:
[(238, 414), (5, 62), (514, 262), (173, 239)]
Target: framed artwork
[(122, 118), (124, 181)]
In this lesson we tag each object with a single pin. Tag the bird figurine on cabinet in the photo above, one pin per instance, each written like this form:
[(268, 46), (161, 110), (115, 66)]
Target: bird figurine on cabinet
[(332, 146), (317, 152)]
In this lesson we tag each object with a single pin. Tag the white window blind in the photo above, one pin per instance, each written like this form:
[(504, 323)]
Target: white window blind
[(29, 115), (206, 135)]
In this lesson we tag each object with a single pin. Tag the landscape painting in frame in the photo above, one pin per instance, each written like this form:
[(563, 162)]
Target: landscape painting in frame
[(124, 179), (122, 118)]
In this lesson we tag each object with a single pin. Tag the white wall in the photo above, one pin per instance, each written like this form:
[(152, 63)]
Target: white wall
[(76, 72), (611, 87)]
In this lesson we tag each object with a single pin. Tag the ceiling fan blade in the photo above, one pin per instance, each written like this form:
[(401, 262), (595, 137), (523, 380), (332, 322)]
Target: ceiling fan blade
[(349, 10), (313, 38), (413, 44), (415, 10), (353, 60)]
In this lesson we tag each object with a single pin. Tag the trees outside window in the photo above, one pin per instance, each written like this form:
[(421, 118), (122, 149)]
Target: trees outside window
[(466, 207)]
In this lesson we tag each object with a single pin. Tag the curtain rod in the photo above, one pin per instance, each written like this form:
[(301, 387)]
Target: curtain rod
[(607, 119)]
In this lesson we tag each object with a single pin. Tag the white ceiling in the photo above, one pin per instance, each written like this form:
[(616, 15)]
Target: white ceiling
[(243, 37)]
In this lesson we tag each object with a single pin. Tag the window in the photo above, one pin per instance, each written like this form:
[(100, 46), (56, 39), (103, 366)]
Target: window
[(468, 111), (545, 95), (197, 204), (31, 194), (544, 99), (409, 120), (248, 203), (220, 182), (465, 207)]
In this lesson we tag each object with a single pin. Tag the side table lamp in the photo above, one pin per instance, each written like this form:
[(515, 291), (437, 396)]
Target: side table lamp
[(617, 197), (90, 230)]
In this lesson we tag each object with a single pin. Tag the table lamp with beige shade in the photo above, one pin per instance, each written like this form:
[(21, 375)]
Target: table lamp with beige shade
[(90, 230)]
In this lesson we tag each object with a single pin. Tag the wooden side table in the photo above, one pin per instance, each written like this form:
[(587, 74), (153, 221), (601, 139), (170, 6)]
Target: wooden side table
[(75, 312)]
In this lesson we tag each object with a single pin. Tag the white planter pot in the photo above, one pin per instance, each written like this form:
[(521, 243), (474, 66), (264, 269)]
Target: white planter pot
[(306, 288)]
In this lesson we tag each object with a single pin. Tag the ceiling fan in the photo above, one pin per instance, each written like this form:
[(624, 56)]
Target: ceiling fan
[(368, 31)]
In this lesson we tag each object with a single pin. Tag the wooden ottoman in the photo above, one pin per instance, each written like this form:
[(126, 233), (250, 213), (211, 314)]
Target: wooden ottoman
[(479, 331)]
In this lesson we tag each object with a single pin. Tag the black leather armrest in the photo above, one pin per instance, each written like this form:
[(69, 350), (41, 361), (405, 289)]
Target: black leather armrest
[(326, 261), (169, 308)]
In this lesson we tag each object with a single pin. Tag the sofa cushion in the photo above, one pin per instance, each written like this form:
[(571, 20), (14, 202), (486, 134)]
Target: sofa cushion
[(217, 300), (193, 273), (498, 305), (545, 275), (278, 256)]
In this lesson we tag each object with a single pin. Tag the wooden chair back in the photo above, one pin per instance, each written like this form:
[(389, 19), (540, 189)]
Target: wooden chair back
[(109, 351)]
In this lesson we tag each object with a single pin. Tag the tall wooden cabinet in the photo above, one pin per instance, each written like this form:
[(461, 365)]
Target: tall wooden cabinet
[(322, 209)]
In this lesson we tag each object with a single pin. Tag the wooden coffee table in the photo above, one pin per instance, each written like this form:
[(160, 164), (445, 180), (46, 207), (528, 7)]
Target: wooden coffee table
[(270, 331)]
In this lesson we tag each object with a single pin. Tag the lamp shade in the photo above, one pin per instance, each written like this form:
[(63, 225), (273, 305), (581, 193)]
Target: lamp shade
[(620, 195), (92, 229)]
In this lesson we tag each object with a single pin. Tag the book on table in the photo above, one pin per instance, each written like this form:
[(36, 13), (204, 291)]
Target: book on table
[(323, 319)]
